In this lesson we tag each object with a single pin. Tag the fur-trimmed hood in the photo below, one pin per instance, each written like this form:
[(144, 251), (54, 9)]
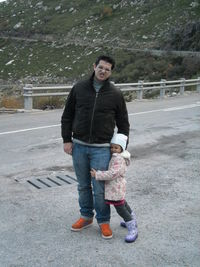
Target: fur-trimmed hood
[(126, 155)]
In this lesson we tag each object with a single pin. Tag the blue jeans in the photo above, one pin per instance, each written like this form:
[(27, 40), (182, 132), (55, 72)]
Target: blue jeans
[(91, 191)]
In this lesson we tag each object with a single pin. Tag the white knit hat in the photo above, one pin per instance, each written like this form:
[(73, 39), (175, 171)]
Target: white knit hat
[(119, 139)]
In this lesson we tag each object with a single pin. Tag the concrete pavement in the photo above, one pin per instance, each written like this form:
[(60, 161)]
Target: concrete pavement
[(163, 187)]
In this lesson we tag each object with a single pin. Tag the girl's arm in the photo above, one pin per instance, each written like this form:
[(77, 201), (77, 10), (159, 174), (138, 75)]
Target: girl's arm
[(116, 169)]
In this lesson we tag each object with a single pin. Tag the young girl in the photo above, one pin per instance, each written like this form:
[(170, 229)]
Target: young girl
[(115, 184)]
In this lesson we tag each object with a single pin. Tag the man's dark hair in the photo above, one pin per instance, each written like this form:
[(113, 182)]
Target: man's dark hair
[(107, 59)]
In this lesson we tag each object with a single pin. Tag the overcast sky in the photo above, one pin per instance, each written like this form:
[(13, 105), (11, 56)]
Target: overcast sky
[(2, 0)]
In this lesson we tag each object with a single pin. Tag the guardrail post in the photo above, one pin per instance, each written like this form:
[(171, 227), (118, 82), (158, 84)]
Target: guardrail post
[(182, 86), (198, 85), (28, 99), (162, 88), (140, 90)]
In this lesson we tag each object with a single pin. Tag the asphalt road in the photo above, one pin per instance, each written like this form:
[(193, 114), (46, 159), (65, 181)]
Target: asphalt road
[(162, 186)]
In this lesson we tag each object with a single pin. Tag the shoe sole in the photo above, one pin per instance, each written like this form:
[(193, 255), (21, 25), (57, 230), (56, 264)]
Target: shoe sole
[(133, 240), (80, 229), (107, 237)]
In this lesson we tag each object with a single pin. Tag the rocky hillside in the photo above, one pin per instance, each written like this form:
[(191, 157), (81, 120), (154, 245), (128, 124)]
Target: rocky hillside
[(58, 40), (185, 37)]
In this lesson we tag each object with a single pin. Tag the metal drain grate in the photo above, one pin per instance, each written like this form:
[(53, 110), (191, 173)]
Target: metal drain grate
[(46, 182)]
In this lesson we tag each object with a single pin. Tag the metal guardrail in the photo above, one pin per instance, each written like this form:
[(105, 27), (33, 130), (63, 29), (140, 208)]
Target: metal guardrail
[(31, 91)]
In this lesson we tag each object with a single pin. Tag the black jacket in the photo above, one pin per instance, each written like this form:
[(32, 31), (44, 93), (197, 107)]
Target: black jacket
[(91, 117)]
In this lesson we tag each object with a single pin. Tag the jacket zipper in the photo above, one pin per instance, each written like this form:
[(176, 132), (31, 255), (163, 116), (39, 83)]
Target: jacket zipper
[(93, 115)]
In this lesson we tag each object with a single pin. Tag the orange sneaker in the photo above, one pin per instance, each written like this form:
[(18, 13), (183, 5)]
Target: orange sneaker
[(106, 232), (81, 224)]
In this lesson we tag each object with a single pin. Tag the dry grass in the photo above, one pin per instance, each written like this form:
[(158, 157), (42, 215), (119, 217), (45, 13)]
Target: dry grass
[(15, 102), (48, 102)]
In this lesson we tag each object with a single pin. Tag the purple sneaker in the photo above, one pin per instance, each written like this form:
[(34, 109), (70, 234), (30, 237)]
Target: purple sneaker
[(132, 232)]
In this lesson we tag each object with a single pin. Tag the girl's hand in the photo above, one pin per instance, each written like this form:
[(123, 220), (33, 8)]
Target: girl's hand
[(93, 173)]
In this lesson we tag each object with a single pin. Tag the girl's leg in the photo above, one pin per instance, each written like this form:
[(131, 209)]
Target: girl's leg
[(131, 211), (124, 212), (130, 223), (127, 206), (132, 214)]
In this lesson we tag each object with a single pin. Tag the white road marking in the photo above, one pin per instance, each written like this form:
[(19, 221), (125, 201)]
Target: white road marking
[(182, 107), (57, 139), (145, 112), (167, 109), (130, 114), (30, 129)]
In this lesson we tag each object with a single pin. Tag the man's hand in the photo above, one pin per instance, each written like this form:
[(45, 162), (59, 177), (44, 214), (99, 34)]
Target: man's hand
[(93, 173), (68, 148)]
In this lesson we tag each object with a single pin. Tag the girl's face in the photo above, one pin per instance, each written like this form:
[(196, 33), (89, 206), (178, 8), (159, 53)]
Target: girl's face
[(115, 148)]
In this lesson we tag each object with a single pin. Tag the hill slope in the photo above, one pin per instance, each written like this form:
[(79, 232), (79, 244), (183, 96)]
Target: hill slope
[(62, 38)]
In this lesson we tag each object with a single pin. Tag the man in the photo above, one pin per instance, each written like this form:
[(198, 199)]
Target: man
[(93, 108)]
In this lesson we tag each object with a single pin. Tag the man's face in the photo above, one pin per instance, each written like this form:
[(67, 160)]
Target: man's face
[(102, 70)]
